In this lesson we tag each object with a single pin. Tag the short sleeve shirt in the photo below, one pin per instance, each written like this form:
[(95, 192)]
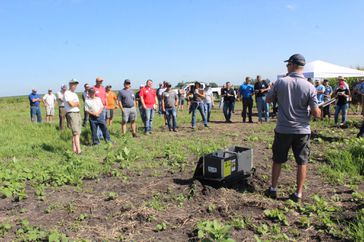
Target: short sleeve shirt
[(111, 98), (208, 96), (342, 100), (320, 96), (149, 96), (33, 96), (294, 95), (169, 98), (327, 93), (361, 88), (246, 90), (259, 86), (101, 93), (93, 104), (70, 97), (49, 99), (127, 98), (60, 99)]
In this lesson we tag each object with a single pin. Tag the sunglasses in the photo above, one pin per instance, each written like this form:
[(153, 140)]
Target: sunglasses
[(288, 64)]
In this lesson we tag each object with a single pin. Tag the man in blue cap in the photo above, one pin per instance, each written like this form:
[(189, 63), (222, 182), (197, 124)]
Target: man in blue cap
[(294, 95), (34, 101)]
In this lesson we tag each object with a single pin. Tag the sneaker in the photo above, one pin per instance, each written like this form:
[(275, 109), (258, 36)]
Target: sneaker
[(271, 194), (147, 133), (295, 198), (134, 135), (206, 126), (251, 121), (193, 127), (175, 130)]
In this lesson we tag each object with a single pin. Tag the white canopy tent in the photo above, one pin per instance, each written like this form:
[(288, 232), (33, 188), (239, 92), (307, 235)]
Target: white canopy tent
[(320, 69)]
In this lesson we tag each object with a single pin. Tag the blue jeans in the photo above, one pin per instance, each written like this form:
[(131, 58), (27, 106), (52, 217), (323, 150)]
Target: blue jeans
[(149, 113), (99, 123), (343, 109), (228, 108), (171, 113), (103, 117), (142, 113), (201, 108), (263, 107), (35, 111), (208, 107)]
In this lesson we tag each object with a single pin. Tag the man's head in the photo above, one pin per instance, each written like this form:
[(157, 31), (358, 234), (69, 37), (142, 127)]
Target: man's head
[(34, 91), (91, 92), (295, 63), (63, 87), (259, 78), (197, 85), (168, 85), (127, 83), (248, 80), (228, 85), (86, 86), (99, 81), (149, 83), (49, 91), (325, 82), (108, 88), (141, 87), (73, 84), (310, 80), (340, 78), (317, 83)]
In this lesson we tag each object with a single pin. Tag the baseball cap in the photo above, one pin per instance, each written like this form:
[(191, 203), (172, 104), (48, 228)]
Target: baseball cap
[(99, 79), (108, 86), (63, 86), (34, 90), (127, 81), (297, 59), (340, 78), (73, 81), (168, 84)]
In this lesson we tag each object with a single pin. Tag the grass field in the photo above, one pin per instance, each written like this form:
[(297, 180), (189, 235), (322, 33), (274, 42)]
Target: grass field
[(142, 189)]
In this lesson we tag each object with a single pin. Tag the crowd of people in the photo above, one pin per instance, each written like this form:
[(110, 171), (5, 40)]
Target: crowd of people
[(294, 100)]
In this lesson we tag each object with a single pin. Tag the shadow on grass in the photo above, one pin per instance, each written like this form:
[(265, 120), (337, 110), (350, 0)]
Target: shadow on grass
[(315, 135)]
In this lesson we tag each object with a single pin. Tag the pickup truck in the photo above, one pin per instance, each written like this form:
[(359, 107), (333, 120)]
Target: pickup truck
[(215, 90)]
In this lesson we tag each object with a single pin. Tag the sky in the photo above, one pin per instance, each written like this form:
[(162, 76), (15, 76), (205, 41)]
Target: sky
[(45, 43)]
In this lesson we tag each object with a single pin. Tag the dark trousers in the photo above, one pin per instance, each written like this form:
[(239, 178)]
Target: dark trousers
[(247, 106), (228, 108), (361, 132), (62, 117), (95, 123), (85, 118), (326, 111)]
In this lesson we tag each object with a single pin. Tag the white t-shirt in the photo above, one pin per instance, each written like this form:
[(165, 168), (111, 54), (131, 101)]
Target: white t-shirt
[(70, 96), (93, 104), (60, 99), (49, 99)]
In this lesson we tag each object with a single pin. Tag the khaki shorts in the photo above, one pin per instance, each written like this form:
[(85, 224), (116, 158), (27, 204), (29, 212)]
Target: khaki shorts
[(74, 122), (129, 115), (49, 111)]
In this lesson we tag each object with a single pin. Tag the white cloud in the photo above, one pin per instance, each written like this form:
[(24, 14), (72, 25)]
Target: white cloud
[(290, 7)]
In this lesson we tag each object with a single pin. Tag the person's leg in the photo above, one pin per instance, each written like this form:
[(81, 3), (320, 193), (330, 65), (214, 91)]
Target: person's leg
[(133, 127), (174, 119), (85, 117), (32, 114), (74, 145), (328, 111), (301, 176), (337, 110), (259, 108), (209, 111), (243, 113), (123, 127), (276, 172), (105, 132), (233, 107), (151, 119), (147, 118), (361, 131), (266, 109), (280, 148), (301, 152), (111, 116), (193, 108), (250, 109), (225, 110), (39, 115), (169, 117), (344, 110), (203, 114), (93, 126)]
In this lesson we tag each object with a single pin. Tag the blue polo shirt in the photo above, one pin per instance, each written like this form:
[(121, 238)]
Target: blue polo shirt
[(320, 97), (246, 90), (33, 96)]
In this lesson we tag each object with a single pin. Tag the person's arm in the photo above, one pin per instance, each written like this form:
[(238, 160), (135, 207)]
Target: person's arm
[(313, 103), (163, 104), (44, 101), (176, 101), (73, 104), (156, 103), (272, 94), (120, 104)]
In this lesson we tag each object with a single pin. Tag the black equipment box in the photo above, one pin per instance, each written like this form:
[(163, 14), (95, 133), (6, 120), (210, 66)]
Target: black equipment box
[(225, 164)]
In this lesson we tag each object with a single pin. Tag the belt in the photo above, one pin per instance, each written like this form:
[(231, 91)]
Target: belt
[(73, 112), (61, 106), (34, 105)]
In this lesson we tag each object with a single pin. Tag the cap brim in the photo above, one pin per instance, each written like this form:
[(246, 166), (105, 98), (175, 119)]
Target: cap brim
[(73, 82)]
